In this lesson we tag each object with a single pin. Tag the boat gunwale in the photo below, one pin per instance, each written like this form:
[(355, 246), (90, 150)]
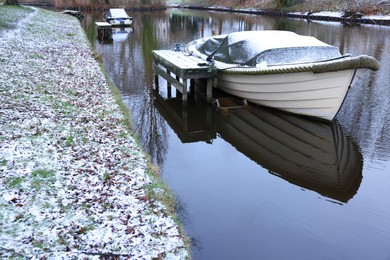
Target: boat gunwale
[(344, 63)]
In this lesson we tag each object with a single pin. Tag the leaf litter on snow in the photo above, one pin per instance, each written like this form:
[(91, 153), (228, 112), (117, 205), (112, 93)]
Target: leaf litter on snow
[(72, 183)]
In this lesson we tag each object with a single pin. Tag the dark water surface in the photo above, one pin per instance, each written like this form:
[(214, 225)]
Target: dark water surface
[(256, 183)]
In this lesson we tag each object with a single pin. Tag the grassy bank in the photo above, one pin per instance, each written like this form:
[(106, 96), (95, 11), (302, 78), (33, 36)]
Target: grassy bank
[(157, 190), (11, 15), (75, 181)]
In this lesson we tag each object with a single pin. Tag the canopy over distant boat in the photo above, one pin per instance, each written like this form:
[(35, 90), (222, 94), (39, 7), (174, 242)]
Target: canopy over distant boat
[(118, 17), (281, 69)]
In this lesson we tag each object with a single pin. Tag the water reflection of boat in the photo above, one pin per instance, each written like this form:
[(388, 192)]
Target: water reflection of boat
[(114, 34), (311, 154), (121, 34), (191, 123)]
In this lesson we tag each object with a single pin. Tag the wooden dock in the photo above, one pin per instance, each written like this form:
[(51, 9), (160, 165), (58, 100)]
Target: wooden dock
[(104, 31), (177, 67), (103, 25)]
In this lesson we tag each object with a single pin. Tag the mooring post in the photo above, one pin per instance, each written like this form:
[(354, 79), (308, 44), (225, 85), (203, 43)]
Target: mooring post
[(191, 90), (209, 90), (185, 85), (169, 85), (156, 77), (178, 93)]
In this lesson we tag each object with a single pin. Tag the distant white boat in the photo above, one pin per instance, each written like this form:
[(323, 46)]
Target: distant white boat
[(281, 69), (118, 17)]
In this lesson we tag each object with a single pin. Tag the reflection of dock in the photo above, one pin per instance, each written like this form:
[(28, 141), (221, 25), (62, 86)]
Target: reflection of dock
[(103, 31), (184, 67), (106, 33), (191, 123)]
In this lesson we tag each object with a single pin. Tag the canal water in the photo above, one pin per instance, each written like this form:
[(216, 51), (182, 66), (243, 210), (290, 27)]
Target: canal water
[(255, 183)]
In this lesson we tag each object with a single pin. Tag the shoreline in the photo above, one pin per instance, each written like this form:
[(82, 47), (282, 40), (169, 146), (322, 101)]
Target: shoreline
[(352, 18), (75, 181), (330, 16)]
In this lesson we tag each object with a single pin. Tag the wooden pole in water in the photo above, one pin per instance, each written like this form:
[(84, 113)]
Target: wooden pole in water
[(209, 90), (169, 85), (178, 93), (185, 85), (156, 77)]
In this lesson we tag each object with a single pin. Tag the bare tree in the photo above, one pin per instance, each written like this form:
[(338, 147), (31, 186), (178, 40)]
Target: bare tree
[(282, 3)]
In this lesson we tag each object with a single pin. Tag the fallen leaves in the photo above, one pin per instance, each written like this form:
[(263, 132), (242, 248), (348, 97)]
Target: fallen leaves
[(72, 176)]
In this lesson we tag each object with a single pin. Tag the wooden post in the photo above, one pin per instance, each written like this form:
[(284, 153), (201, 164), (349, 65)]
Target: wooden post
[(209, 93), (178, 93), (185, 84), (192, 89), (156, 77), (169, 85)]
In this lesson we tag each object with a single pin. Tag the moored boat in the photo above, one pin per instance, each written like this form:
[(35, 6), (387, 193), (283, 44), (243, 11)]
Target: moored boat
[(118, 17), (281, 69)]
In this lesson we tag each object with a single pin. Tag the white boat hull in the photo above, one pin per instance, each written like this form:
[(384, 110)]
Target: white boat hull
[(318, 95)]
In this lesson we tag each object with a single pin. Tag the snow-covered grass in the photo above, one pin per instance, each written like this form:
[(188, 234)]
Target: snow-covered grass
[(74, 181), (11, 15)]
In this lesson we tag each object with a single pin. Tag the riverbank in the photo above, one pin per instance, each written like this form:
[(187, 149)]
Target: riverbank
[(74, 180), (366, 7), (345, 17), (352, 12)]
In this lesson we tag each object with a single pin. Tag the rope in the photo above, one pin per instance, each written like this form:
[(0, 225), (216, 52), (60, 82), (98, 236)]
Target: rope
[(359, 62)]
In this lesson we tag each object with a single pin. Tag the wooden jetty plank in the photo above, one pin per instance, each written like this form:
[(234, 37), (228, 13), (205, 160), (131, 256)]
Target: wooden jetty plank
[(103, 24), (185, 67), (182, 65), (185, 62)]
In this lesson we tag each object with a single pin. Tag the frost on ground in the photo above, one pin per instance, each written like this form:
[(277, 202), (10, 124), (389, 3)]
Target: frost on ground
[(72, 178)]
